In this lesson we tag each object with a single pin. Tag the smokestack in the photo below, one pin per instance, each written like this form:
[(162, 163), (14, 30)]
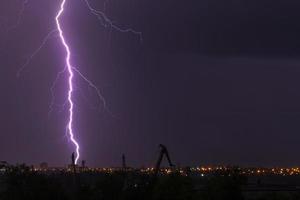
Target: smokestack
[(124, 162)]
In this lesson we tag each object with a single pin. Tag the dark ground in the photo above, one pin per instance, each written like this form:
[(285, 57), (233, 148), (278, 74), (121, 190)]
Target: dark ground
[(22, 183)]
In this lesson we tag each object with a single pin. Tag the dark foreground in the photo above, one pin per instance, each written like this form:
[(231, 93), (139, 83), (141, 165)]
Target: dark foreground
[(24, 183)]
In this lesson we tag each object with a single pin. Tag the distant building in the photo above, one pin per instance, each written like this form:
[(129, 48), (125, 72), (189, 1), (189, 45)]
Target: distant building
[(3, 163), (83, 164), (3, 166), (44, 166)]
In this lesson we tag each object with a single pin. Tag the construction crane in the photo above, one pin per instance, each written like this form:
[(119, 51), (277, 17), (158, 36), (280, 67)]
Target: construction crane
[(151, 182), (163, 151)]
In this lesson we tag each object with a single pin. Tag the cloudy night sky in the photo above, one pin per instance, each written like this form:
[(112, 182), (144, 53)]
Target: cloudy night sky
[(217, 82)]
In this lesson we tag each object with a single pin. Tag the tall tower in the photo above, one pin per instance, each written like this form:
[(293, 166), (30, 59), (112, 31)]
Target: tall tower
[(124, 162)]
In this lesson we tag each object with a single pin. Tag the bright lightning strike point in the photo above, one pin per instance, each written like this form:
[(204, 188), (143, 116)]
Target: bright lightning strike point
[(70, 81)]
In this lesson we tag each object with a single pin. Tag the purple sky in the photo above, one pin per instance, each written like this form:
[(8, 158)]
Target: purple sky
[(216, 82)]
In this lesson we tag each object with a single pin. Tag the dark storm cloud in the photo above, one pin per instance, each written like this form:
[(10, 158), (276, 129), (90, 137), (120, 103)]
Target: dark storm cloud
[(216, 81), (223, 27)]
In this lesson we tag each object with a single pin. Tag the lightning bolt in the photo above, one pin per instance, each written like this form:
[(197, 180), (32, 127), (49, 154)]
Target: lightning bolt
[(70, 81), (69, 68), (106, 22), (20, 14), (45, 40), (52, 104)]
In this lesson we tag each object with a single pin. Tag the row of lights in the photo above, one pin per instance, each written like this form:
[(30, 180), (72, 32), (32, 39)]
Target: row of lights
[(198, 170)]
